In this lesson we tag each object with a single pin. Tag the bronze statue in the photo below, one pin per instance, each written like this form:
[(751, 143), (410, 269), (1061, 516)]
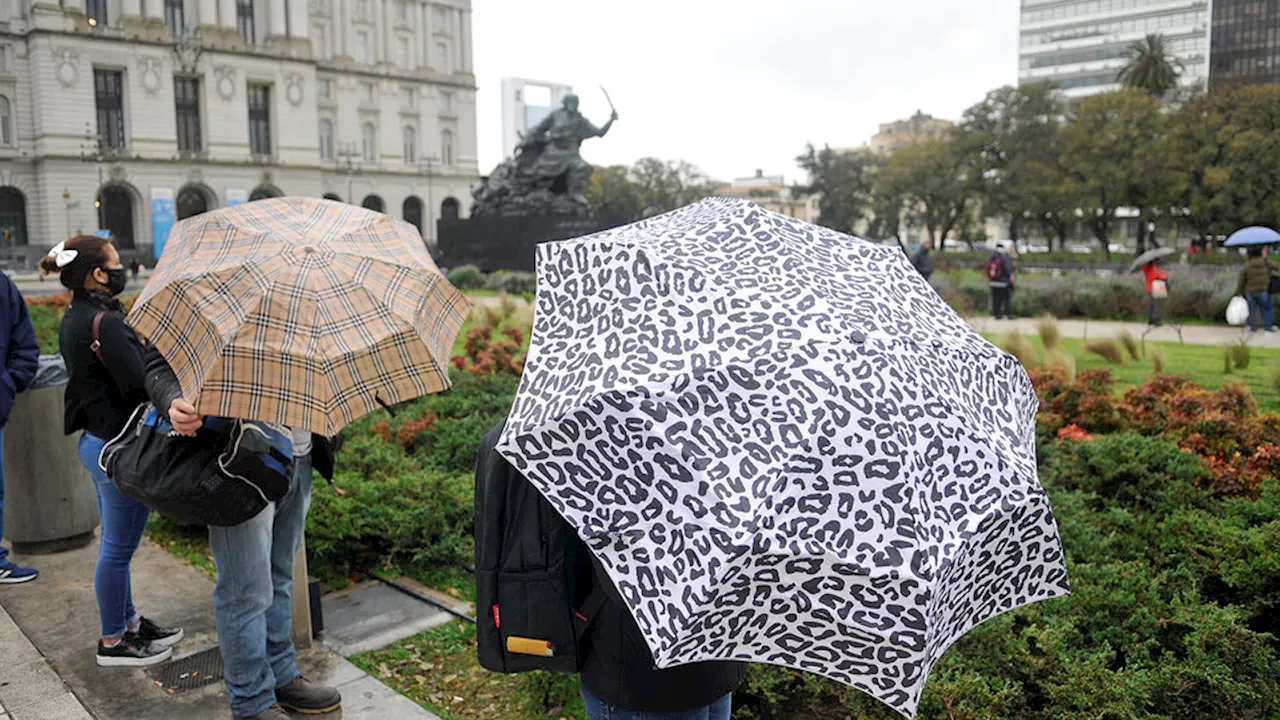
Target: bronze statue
[(547, 175)]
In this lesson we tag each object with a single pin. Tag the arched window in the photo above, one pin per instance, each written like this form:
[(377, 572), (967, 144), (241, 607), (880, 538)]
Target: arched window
[(369, 134), (115, 213), (191, 201), (412, 212), (449, 209), (410, 146), (373, 202), (446, 147), (326, 139), (6, 122), (333, 196), (263, 192)]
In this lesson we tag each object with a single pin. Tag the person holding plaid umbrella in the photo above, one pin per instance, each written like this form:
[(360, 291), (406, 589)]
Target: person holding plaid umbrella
[(304, 314)]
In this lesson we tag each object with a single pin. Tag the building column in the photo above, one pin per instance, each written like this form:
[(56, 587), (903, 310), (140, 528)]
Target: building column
[(276, 22), (299, 20), (227, 13), (131, 8), (382, 50), (464, 39), (458, 57), (153, 9), (341, 29), (419, 37)]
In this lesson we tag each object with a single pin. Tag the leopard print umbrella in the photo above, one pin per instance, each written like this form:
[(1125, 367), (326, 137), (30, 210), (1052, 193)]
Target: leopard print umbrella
[(783, 446)]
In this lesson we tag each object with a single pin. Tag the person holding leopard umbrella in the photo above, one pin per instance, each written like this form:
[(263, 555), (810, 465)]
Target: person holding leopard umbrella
[(780, 446)]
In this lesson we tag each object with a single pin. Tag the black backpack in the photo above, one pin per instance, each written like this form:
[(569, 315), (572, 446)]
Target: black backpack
[(534, 593)]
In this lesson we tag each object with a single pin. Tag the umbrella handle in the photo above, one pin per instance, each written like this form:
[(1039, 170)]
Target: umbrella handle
[(390, 410)]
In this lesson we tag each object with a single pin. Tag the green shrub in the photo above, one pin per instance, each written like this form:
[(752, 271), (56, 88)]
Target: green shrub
[(1131, 470), (515, 283), (467, 277), (420, 520), (47, 321)]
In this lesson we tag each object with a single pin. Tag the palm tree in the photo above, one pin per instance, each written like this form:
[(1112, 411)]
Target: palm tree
[(1151, 68)]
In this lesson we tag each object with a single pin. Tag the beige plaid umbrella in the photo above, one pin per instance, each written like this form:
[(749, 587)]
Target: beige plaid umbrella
[(300, 312)]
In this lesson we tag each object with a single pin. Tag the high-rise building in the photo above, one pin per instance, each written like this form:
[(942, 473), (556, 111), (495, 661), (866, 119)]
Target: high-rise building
[(125, 115), (1246, 42), (524, 104), (1082, 45)]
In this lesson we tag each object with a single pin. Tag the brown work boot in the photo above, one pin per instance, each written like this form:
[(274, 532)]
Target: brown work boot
[(308, 698), (275, 712)]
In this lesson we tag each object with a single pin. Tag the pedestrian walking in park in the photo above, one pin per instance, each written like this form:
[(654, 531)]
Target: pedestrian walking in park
[(106, 384), (923, 262), (1157, 282), (20, 351), (1000, 280), (1255, 286), (384, 338), (618, 677)]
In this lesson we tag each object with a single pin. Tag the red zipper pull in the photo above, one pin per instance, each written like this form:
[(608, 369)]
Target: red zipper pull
[(497, 620)]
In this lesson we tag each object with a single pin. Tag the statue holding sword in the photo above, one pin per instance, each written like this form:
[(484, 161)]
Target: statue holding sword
[(547, 174)]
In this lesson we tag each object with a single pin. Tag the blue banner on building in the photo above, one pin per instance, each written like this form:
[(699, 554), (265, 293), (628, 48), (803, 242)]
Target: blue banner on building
[(163, 216)]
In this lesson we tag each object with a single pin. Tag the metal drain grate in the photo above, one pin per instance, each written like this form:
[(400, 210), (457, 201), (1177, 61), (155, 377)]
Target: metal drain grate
[(189, 673)]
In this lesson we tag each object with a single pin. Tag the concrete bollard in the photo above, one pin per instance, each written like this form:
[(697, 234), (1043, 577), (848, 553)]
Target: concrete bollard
[(50, 504)]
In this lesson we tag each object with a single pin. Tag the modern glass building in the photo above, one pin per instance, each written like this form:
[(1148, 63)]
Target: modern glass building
[(1083, 44), (1245, 41)]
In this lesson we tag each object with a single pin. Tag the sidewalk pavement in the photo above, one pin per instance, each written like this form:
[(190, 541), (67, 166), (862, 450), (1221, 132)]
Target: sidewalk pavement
[(58, 619), (1096, 329)]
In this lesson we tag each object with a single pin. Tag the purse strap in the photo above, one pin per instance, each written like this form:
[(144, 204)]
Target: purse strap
[(96, 345)]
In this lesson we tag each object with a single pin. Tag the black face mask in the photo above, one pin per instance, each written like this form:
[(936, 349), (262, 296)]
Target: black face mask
[(117, 279)]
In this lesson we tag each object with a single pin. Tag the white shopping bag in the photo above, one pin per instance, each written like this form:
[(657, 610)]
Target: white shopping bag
[(1237, 311)]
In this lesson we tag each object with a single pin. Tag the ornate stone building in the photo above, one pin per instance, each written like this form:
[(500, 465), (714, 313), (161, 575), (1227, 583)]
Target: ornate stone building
[(128, 114)]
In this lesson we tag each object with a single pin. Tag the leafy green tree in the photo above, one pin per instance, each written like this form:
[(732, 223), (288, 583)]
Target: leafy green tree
[(1107, 152), (1009, 138), (1219, 146), (648, 187), (843, 182), (935, 182), (1151, 68)]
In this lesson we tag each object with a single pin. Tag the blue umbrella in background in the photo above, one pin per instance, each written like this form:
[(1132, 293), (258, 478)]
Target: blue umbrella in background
[(1256, 235)]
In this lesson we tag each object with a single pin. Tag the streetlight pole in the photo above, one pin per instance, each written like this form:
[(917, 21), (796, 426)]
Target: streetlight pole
[(91, 151), (347, 152)]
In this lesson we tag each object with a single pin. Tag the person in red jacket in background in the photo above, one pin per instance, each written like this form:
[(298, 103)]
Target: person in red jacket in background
[(1157, 292)]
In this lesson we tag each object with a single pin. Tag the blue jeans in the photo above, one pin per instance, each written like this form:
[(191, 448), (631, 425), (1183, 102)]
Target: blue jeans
[(252, 604), (1260, 307), (598, 709), (123, 520)]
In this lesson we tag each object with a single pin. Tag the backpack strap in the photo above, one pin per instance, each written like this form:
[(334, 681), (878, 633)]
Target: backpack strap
[(96, 345)]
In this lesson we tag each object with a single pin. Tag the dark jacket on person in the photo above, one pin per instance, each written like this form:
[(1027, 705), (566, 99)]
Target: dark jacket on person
[(18, 344), (1006, 266), (104, 387), (616, 664), (1255, 276), (163, 388), (618, 668), (923, 262)]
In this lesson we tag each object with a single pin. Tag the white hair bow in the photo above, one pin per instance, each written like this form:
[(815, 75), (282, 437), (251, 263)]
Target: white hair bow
[(63, 256)]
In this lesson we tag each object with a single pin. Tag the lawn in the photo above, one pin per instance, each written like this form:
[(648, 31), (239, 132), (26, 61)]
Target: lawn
[(1202, 363)]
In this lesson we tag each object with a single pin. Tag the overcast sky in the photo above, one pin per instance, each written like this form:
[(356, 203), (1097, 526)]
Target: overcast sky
[(734, 85)]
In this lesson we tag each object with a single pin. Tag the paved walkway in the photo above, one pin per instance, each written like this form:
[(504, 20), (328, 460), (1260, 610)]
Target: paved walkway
[(1190, 334), (49, 628)]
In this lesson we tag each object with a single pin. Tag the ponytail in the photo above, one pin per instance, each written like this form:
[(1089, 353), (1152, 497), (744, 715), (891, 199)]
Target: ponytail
[(75, 259)]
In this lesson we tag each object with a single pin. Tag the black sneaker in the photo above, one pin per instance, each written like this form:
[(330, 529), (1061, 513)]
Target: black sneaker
[(131, 652), (156, 635)]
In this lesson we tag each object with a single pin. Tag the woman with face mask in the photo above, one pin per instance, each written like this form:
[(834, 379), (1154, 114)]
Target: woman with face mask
[(107, 383)]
